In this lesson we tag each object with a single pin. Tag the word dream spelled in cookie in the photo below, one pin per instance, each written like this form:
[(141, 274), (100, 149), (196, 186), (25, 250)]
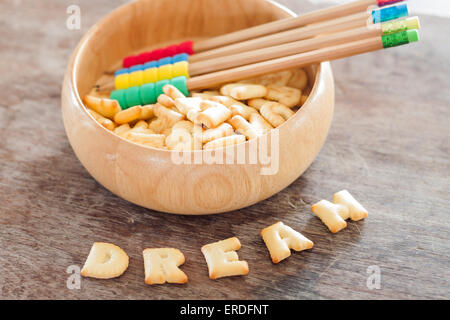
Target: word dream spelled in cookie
[(161, 265)]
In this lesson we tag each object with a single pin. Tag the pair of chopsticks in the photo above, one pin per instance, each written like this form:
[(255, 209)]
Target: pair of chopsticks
[(331, 34), (323, 35), (290, 23)]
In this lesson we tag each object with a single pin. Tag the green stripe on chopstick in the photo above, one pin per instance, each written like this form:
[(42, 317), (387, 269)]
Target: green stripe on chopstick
[(400, 38)]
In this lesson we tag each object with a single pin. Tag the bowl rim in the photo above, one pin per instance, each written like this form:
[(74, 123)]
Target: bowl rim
[(80, 47)]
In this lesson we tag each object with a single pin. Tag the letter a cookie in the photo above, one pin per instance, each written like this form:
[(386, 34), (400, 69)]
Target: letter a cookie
[(280, 238)]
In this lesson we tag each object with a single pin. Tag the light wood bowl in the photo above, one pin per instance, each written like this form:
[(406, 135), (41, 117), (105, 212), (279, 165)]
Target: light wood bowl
[(148, 177)]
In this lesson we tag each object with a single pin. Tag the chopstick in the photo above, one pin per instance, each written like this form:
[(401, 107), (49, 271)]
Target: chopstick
[(289, 49), (302, 59), (289, 23), (190, 47), (148, 93), (296, 47), (302, 33), (334, 25)]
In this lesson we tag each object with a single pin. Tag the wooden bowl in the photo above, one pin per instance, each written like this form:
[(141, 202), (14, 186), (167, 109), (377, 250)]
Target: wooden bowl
[(149, 177)]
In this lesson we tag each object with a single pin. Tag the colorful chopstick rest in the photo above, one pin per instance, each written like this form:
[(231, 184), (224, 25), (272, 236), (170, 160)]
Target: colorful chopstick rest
[(155, 55), (121, 71), (400, 38), (400, 25), (147, 93), (138, 77), (155, 64), (180, 57), (133, 96), (164, 61), (390, 13)]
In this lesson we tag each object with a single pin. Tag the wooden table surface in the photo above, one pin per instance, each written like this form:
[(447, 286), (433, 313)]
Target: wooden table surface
[(389, 145)]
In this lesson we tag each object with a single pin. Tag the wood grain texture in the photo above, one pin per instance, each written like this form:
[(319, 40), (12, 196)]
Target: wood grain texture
[(389, 145)]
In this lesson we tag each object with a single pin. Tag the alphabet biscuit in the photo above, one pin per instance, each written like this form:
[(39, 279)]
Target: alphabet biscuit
[(275, 113), (147, 112), (166, 101), (244, 127), (221, 131), (161, 266), (105, 261), (333, 215), (356, 210), (205, 95), (128, 115), (122, 129), (259, 123), (105, 107), (212, 114), (279, 79), (224, 142), (108, 124), (222, 259), (146, 139), (299, 80), (290, 97), (226, 101), (140, 126), (235, 106), (280, 238), (257, 103), (244, 91), (158, 125), (167, 115), (180, 137), (172, 92), (190, 107)]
